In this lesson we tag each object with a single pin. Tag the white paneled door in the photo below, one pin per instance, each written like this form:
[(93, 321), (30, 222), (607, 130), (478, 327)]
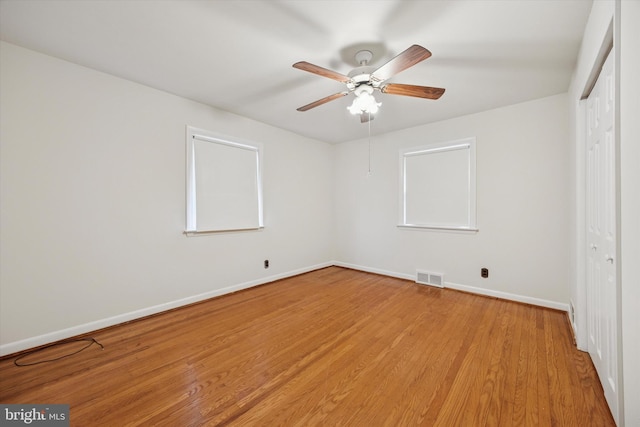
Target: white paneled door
[(601, 234)]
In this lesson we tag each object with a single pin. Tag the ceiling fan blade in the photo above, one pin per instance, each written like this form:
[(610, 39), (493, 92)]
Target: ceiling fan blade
[(316, 69), (412, 90), (406, 59), (322, 101), (365, 117)]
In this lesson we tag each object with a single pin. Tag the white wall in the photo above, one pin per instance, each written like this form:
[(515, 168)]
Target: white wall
[(93, 202), (630, 205), (522, 205)]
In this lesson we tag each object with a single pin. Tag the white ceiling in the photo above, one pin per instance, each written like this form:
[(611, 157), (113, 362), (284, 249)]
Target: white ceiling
[(237, 55)]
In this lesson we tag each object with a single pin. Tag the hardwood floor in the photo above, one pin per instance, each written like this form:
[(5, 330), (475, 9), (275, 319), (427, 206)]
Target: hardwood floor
[(334, 347)]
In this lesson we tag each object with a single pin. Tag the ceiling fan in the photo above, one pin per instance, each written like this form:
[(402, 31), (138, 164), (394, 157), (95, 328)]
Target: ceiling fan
[(364, 80)]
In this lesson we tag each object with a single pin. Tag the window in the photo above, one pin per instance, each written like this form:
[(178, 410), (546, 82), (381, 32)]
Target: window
[(224, 185), (438, 186)]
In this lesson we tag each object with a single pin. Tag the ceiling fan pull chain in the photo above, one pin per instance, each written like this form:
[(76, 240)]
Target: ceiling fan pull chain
[(369, 125)]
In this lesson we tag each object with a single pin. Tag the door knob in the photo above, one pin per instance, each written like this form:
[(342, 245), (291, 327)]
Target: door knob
[(609, 259), (594, 247)]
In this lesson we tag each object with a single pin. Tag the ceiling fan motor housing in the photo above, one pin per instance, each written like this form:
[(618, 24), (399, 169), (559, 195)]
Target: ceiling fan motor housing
[(359, 76), (362, 74)]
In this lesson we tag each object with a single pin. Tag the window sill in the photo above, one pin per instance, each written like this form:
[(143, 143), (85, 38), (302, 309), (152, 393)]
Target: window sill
[(205, 232), (440, 228)]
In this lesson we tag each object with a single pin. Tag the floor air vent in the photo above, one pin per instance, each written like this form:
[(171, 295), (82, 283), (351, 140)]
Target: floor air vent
[(432, 279)]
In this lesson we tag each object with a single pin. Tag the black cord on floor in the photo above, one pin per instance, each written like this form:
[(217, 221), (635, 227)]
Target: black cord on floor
[(91, 341)]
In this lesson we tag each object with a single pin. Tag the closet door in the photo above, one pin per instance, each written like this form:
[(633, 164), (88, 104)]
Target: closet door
[(601, 234)]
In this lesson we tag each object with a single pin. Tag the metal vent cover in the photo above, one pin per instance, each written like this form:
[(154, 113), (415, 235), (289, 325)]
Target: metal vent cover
[(428, 278)]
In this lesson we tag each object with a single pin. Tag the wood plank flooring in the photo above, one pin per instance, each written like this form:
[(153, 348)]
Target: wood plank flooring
[(334, 347)]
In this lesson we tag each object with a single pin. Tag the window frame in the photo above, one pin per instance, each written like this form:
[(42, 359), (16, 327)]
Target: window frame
[(192, 135), (460, 144)]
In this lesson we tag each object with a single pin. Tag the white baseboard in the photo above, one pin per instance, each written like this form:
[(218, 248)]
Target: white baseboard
[(508, 296), (373, 270), (17, 346), (14, 347), (471, 289)]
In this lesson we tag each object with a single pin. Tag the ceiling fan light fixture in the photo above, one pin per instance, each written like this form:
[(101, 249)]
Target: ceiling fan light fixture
[(364, 101)]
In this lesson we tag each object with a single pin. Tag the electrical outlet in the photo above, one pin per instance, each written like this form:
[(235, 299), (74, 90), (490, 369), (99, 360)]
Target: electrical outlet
[(484, 272), (266, 263)]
